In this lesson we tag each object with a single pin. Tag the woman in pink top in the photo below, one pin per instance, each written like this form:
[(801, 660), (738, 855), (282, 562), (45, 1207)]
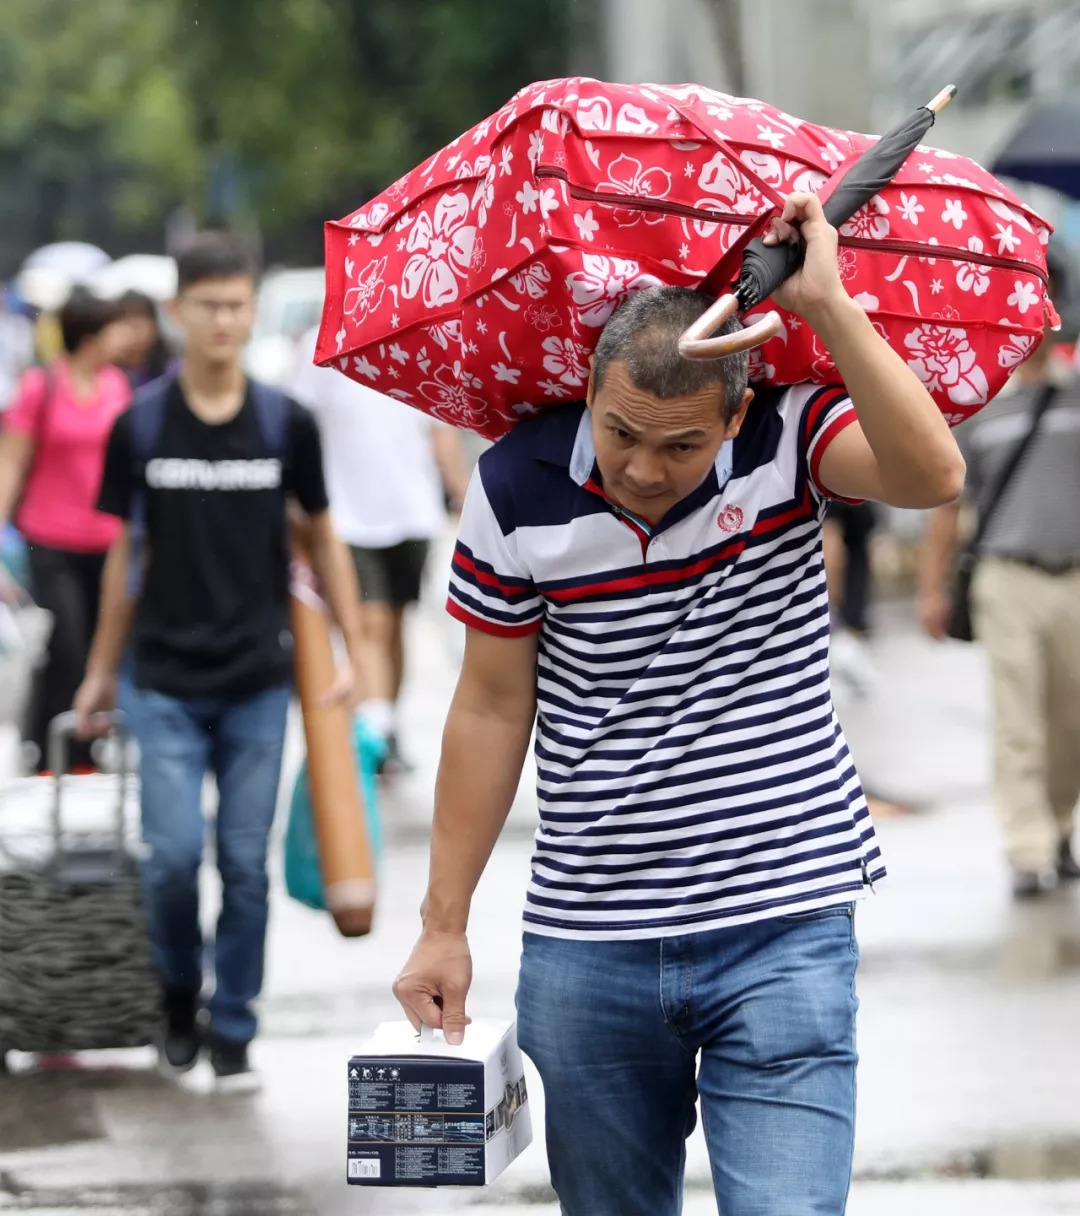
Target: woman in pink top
[(52, 453)]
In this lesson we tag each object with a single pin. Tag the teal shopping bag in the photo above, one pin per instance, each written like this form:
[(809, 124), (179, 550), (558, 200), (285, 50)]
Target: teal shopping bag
[(303, 872)]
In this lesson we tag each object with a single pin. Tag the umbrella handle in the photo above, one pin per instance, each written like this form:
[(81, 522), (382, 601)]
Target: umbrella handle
[(697, 341)]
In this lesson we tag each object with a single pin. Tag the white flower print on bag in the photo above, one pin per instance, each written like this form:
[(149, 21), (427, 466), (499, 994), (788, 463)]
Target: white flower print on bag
[(1016, 350), (566, 359), (972, 276), (484, 198), (1024, 296), (627, 175), (442, 249), (954, 213), (368, 293), (943, 359), (601, 283), (533, 281), (451, 394), (870, 222), (910, 208), (586, 225)]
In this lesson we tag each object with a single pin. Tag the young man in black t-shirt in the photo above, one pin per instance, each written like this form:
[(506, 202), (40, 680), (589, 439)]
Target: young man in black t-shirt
[(212, 644)]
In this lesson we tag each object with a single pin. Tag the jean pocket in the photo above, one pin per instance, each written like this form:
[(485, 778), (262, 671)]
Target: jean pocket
[(801, 918)]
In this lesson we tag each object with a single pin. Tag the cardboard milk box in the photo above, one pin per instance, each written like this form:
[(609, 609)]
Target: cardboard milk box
[(423, 1113)]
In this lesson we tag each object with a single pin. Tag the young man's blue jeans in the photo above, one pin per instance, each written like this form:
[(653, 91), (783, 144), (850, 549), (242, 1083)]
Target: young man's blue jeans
[(239, 740), (758, 1019)]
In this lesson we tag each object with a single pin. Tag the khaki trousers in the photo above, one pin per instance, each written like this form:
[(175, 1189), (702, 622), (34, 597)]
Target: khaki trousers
[(1029, 623)]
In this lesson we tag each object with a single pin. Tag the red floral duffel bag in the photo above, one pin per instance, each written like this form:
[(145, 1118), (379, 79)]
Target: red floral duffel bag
[(475, 287)]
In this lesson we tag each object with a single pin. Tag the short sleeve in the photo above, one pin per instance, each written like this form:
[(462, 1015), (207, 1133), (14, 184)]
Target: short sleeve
[(307, 480), (826, 412), (117, 479), (490, 587), (23, 415)]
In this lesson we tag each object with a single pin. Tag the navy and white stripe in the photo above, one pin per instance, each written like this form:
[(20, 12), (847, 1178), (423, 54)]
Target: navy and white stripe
[(691, 769)]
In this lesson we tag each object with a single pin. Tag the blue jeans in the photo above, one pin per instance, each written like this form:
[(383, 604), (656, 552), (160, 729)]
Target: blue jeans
[(240, 740), (758, 1019)]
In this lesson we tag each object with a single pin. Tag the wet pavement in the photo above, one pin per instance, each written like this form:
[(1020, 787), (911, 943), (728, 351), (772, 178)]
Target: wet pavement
[(969, 1084)]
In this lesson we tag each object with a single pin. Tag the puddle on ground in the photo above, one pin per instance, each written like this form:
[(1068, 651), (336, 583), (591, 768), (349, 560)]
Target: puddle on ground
[(1021, 1161), (1008, 1161), (193, 1200), (1033, 944), (46, 1109)]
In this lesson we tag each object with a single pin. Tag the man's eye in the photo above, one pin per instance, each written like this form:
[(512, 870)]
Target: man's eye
[(619, 433), (683, 448)]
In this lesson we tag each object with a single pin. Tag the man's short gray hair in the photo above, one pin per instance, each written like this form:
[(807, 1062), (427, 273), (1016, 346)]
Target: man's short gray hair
[(644, 333)]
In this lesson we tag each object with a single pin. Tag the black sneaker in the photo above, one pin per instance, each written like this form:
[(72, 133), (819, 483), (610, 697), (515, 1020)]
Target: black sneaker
[(182, 1040), (1031, 884), (233, 1073), (1068, 867)]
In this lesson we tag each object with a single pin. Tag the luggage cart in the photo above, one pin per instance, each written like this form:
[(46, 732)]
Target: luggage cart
[(75, 967)]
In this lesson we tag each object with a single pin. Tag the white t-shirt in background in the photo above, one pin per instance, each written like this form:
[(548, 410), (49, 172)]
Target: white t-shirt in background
[(381, 475)]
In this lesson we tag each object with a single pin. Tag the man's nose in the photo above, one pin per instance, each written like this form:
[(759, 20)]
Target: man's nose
[(645, 470)]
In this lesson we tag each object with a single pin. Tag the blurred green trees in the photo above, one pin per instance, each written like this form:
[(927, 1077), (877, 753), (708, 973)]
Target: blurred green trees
[(281, 109)]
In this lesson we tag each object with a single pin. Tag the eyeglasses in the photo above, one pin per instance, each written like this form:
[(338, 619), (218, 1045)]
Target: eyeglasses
[(233, 309)]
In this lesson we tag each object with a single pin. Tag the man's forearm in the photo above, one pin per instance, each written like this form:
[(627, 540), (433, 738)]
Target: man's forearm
[(451, 463), (482, 755), (335, 571), (907, 433), (116, 613), (937, 552)]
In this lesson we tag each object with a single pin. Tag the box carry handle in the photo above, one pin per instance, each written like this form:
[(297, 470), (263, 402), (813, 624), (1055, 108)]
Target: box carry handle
[(61, 733)]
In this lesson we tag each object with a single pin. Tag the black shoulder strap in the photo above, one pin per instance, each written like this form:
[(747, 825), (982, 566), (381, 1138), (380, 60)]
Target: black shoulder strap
[(272, 411), (986, 509), (148, 418)]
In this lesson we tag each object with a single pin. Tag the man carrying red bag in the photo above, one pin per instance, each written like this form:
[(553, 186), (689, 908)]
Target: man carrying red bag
[(642, 575)]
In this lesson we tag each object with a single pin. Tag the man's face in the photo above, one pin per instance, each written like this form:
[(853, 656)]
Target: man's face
[(216, 316), (651, 453)]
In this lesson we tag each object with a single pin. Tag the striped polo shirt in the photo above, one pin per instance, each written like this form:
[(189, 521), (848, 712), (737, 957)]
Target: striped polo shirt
[(691, 770)]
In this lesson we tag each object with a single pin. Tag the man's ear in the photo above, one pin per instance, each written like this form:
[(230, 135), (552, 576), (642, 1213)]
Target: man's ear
[(735, 425), (590, 391)]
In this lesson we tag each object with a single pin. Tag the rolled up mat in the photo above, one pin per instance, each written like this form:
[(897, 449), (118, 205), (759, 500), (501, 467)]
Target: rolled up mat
[(341, 823), (303, 868)]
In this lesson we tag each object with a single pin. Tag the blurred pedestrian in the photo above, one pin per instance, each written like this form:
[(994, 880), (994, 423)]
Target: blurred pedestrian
[(144, 355), (641, 573), (1025, 609), (391, 473), (52, 451), (16, 345), (201, 470), (847, 535)]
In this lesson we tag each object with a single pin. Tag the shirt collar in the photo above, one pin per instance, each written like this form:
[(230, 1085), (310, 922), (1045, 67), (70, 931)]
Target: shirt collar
[(556, 432), (567, 441)]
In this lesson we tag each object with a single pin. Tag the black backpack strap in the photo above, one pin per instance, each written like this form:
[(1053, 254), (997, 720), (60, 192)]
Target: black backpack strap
[(148, 418), (273, 410), (146, 422)]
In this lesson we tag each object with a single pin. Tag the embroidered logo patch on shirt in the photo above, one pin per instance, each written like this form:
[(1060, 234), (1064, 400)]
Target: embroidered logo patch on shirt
[(730, 519)]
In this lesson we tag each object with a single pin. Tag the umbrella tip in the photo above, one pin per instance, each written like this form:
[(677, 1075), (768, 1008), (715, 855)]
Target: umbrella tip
[(942, 99)]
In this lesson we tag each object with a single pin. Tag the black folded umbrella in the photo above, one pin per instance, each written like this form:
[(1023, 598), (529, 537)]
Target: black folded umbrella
[(765, 267), (1045, 148)]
